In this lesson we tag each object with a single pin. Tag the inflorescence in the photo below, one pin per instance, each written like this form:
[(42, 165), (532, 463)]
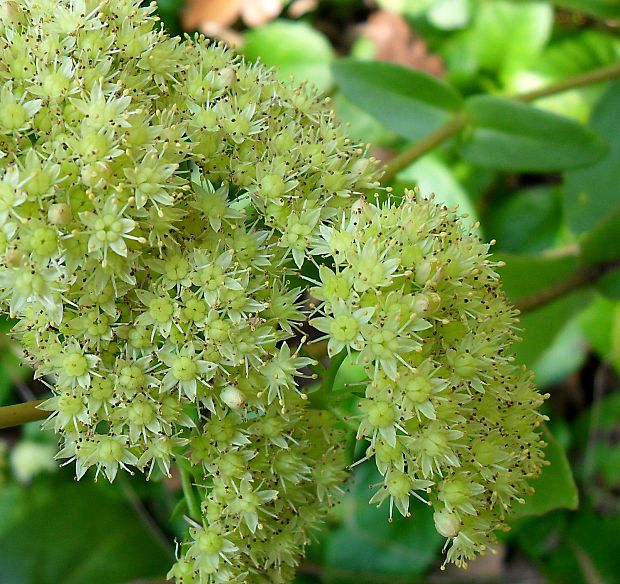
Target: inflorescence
[(158, 201)]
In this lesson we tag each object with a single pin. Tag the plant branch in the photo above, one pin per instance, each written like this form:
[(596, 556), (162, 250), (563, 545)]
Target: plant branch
[(193, 508), (21, 414), (579, 279), (589, 78), (456, 124), (419, 149)]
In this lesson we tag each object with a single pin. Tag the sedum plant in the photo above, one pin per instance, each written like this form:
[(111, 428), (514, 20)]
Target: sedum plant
[(174, 224)]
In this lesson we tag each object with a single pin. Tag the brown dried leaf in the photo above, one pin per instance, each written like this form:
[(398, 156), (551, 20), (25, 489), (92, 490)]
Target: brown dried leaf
[(258, 12), (300, 7), (397, 43), (206, 14)]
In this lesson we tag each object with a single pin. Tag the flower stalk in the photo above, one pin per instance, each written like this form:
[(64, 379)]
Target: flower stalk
[(19, 414), (321, 398)]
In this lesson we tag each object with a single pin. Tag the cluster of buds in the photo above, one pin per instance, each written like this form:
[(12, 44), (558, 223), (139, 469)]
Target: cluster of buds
[(158, 199)]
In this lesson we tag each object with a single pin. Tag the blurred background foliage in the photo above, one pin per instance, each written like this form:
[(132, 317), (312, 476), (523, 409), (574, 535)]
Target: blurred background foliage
[(426, 83)]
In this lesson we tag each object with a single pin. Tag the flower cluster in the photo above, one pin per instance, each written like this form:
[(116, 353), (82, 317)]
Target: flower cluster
[(449, 418), (153, 196), (158, 199), (270, 482)]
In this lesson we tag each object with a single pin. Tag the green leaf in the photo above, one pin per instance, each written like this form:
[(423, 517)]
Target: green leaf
[(609, 285), (602, 244), (361, 126), (566, 355), (597, 428), (601, 325), (528, 221), (592, 194), (367, 548), (555, 488), (509, 35), (540, 328), (526, 274), (578, 53), (513, 136), (72, 534), (593, 540), (295, 48), (407, 101), (350, 372), (432, 176), (169, 11)]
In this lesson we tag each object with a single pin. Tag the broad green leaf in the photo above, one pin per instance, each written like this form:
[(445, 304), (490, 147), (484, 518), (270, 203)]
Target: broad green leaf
[(432, 176), (609, 285), (593, 541), (539, 328), (537, 536), (527, 221), (169, 11), (458, 54), (525, 274), (509, 35), (509, 135), (601, 246), (555, 488), (409, 102), (602, 243), (593, 194), (601, 325), (295, 48), (72, 534), (366, 548), (580, 52), (564, 356), (597, 428), (349, 373), (361, 126), (581, 547)]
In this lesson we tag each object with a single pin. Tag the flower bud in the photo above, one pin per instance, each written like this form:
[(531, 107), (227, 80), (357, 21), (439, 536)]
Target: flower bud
[(233, 398), (446, 523)]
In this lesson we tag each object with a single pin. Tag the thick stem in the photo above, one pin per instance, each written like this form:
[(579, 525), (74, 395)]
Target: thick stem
[(21, 414), (193, 508), (581, 278), (320, 399)]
